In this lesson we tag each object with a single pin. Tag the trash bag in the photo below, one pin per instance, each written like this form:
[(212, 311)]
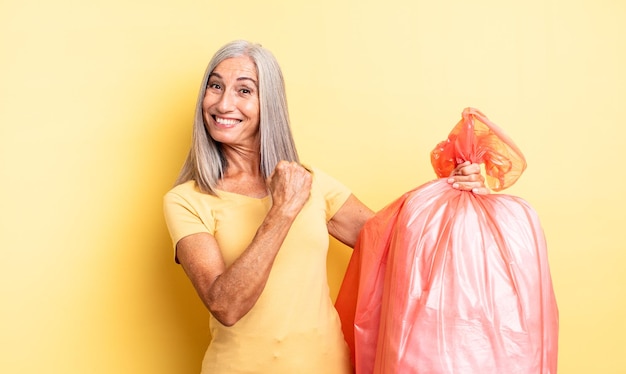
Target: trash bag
[(448, 281)]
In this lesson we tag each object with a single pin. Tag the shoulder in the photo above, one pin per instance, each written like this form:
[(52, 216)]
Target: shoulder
[(188, 188), (331, 190), (320, 177), (187, 191), (187, 211), (328, 183), (187, 195)]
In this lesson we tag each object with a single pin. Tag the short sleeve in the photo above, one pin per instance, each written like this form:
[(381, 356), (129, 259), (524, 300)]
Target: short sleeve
[(335, 193), (182, 216)]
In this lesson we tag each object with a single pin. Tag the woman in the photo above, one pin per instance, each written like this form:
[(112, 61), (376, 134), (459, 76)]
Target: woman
[(250, 224)]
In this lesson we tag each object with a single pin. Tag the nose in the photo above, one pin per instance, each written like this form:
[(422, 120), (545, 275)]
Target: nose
[(226, 102)]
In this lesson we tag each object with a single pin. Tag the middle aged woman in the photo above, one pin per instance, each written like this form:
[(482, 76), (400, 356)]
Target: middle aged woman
[(250, 224)]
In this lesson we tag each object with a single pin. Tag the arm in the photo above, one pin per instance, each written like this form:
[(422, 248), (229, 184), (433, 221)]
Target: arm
[(347, 223), (349, 220), (230, 293)]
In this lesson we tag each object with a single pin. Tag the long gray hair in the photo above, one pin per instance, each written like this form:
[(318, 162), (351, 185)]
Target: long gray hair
[(205, 163)]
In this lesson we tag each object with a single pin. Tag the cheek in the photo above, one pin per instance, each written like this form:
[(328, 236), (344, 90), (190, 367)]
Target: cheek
[(209, 99), (252, 109), (206, 102)]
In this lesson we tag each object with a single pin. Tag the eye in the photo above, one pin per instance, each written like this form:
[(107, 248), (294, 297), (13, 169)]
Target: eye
[(246, 90), (214, 86)]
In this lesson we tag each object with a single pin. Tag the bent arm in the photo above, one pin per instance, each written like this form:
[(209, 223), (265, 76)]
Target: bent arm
[(347, 223), (230, 293)]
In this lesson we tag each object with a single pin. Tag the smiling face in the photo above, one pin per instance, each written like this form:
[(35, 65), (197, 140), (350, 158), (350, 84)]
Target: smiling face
[(231, 103)]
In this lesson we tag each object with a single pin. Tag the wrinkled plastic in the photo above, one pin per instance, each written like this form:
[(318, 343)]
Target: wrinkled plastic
[(447, 281)]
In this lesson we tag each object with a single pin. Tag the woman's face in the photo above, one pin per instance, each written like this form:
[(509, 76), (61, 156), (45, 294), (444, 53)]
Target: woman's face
[(231, 103)]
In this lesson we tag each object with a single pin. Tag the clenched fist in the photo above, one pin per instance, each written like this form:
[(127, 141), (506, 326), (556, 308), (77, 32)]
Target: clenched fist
[(290, 187)]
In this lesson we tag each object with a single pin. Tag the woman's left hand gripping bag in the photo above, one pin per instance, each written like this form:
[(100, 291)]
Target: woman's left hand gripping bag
[(448, 281)]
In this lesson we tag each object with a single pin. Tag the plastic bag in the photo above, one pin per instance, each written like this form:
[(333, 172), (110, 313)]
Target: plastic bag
[(447, 281)]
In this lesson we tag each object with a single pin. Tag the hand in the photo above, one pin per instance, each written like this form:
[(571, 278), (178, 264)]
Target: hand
[(290, 187), (467, 177)]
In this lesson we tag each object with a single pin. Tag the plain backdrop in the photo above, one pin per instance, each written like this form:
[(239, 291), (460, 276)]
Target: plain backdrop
[(96, 104)]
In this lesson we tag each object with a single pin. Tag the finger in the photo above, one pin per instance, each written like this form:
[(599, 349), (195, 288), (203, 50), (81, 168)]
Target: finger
[(469, 168), (476, 180), (290, 175), (481, 191), (457, 168), (468, 185)]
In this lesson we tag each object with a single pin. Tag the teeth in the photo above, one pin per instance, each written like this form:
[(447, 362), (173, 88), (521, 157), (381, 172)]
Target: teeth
[(227, 122)]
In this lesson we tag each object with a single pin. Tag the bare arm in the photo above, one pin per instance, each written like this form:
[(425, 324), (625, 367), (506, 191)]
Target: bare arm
[(230, 293), (347, 223), (349, 220)]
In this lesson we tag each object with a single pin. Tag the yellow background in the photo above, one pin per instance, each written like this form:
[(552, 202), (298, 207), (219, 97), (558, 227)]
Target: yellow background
[(96, 101)]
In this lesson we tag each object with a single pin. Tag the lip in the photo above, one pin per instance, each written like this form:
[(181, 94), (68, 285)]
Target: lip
[(225, 122)]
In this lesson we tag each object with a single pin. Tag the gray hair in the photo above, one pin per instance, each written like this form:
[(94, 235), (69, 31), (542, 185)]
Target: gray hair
[(205, 161)]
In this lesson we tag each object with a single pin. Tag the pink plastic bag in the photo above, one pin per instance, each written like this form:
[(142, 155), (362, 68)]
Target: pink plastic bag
[(447, 281)]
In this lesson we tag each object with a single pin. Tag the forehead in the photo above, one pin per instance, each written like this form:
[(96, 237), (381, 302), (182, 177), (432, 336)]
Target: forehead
[(236, 68)]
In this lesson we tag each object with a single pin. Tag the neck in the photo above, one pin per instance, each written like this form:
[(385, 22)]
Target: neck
[(242, 160)]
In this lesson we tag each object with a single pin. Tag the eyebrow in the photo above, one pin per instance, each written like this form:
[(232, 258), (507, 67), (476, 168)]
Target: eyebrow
[(213, 74)]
